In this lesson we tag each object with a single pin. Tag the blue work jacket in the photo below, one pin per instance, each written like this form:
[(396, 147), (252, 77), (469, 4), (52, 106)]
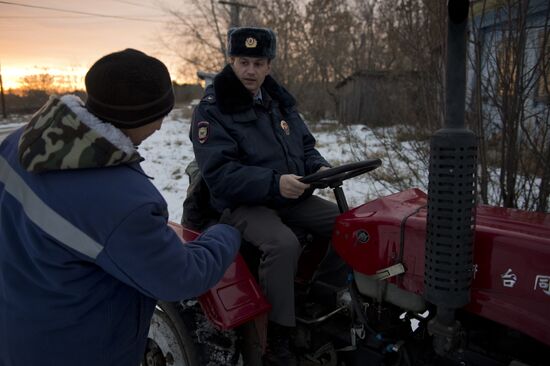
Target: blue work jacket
[(86, 252)]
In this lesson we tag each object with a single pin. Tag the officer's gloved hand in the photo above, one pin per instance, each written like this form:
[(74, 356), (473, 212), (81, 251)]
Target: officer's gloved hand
[(226, 218)]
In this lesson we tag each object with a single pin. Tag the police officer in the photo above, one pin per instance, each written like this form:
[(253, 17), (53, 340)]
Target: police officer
[(252, 146)]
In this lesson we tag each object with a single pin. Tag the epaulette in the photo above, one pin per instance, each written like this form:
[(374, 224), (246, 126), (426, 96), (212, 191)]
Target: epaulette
[(210, 99)]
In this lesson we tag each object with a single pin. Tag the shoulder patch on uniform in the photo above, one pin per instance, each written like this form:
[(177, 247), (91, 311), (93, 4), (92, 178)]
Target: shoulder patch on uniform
[(202, 131)]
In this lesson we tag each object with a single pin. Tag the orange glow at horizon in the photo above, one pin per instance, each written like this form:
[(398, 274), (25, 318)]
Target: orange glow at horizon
[(64, 45), (70, 78), (73, 76)]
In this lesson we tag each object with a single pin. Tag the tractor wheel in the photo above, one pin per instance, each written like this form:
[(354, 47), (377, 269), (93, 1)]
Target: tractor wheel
[(195, 340), (169, 341)]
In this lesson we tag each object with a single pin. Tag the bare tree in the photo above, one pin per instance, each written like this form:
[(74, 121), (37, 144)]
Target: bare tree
[(43, 82), (509, 108), (196, 33), (416, 42), (287, 20)]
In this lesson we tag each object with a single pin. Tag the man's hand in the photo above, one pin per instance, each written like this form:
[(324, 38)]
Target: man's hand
[(322, 168), (291, 187)]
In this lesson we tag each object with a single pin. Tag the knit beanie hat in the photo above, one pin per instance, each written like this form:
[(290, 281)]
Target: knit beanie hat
[(129, 89), (251, 42)]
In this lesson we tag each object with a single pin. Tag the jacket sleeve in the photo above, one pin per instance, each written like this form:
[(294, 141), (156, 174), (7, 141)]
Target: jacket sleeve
[(145, 253), (230, 182)]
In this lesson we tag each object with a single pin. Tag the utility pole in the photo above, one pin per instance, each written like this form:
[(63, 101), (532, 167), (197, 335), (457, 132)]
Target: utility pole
[(235, 11), (4, 113)]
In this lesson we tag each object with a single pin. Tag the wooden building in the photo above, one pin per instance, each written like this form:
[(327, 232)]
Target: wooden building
[(375, 98)]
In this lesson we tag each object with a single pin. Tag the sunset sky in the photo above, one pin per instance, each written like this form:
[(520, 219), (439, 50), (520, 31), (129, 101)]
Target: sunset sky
[(38, 40)]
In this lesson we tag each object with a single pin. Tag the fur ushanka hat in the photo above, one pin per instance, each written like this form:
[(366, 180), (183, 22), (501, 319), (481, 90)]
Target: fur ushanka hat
[(251, 42)]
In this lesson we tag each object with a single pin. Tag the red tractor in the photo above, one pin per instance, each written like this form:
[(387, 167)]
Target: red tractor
[(435, 280)]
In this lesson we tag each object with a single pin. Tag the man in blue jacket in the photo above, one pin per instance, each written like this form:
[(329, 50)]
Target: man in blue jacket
[(252, 146), (85, 250)]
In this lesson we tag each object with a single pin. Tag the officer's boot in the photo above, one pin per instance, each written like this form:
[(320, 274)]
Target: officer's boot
[(278, 351)]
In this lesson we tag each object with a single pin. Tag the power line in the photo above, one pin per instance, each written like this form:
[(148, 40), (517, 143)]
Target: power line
[(38, 16), (135, 4), (79, 12), (58, 16)]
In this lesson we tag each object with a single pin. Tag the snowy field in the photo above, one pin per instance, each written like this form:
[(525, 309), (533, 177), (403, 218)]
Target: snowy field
[(168, 152)]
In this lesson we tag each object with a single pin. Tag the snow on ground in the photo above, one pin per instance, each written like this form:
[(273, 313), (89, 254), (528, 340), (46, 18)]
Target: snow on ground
[(11, 123), (14, 120), (167, 153)]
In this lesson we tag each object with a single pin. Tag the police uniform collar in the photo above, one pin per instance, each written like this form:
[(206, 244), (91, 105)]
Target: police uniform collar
[(232, 96), (258, 96)]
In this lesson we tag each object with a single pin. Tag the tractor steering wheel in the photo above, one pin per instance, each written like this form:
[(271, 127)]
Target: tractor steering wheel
[(334, 177)]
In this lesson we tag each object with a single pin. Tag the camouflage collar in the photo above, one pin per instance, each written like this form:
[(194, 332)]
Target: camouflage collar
[(64, 135)]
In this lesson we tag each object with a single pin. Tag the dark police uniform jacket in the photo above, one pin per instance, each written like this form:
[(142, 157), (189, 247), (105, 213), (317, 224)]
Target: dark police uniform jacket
[(242, 147)]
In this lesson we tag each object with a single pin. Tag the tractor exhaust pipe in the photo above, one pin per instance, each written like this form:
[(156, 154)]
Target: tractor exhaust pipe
[(451, 196)]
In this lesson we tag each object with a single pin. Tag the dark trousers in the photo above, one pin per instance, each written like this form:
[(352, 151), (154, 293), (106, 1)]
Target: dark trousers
[(271, 232)]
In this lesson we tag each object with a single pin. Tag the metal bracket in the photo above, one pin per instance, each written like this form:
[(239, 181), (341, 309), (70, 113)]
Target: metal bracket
[(392, 271)]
